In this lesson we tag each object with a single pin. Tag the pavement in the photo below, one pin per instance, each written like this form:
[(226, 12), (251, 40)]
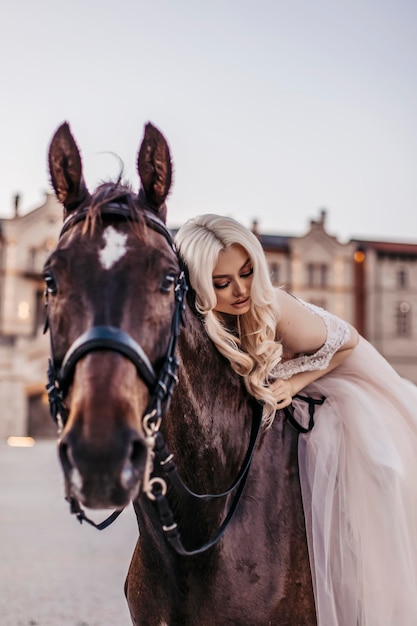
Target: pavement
[(54, 571)]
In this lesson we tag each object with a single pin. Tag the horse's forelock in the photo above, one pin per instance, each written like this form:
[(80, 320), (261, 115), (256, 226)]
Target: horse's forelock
[(110, 192)]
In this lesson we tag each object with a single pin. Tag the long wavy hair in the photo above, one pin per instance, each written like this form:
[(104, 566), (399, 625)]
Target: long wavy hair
[(251, 348)]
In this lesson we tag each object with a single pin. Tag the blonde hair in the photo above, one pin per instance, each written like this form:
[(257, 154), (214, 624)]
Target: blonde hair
[(254, 352)]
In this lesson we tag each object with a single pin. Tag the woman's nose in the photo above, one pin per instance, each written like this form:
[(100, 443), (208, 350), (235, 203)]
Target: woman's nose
[(238, 288)]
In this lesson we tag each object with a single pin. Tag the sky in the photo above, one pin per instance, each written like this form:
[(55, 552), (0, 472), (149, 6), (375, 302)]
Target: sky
[(273, 109)]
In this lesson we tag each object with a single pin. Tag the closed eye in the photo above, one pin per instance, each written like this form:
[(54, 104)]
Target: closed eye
[(245, 274)]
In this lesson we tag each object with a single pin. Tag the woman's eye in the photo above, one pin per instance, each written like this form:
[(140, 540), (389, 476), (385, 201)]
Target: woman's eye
[(167, 283), (221, 286), (50, 284), (247, 274)]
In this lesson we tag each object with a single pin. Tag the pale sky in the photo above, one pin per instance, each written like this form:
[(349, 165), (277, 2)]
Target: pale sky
[(273, 109)]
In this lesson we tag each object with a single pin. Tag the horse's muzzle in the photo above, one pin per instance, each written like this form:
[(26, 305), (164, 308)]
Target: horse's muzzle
[(106, 476)]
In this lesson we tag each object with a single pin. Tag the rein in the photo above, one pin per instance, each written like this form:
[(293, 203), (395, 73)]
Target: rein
[(160, 386), (169, 525)]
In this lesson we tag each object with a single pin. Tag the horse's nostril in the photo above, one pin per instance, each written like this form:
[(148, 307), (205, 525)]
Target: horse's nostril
[(138, 454), (135, 464)]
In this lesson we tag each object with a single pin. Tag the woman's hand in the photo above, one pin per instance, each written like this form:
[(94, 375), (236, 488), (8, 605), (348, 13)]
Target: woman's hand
[(283, 392)]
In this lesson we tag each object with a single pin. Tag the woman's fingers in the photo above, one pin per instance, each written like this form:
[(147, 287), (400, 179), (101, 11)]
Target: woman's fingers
[(284, 402), (282, 392)]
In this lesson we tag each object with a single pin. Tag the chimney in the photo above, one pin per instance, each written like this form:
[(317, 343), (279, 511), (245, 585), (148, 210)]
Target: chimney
[(16, 204)]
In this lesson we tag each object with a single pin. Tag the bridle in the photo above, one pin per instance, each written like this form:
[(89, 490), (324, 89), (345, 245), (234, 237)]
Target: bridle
[(161, 387), (110, 338)]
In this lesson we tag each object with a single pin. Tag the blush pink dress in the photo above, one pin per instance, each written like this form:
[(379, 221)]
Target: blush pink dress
[(358, 469)]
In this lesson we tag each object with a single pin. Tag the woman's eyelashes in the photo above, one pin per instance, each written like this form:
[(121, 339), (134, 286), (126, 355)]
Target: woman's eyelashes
[(245, 274)]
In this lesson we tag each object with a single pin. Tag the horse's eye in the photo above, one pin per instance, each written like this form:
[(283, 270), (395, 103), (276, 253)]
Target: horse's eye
[(167, 283), (50, 284)]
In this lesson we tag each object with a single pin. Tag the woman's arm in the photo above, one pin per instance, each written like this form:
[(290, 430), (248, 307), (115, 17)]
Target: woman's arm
[(304, 332)]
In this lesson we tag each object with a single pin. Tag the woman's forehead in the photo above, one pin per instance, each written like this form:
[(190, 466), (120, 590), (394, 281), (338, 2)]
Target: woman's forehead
[(230, 259)]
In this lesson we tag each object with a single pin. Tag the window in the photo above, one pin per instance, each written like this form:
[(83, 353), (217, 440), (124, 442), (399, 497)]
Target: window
[(317, 275), (402, 279), (40, 313), (310, 274), (323, 275), (274, 273), (32, 259), (403, 319)]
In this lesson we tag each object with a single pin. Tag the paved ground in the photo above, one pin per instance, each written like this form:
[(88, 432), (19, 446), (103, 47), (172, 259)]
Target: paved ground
[(54, 571)]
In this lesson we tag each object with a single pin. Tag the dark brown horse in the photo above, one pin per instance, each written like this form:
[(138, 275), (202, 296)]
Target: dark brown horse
[(114, 303)]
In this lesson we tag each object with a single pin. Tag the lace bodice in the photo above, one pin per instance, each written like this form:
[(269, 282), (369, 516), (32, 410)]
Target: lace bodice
[(338, 333)]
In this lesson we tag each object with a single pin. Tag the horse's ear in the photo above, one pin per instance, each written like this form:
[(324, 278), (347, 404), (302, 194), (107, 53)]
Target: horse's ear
[(155, 169), (65, 167)]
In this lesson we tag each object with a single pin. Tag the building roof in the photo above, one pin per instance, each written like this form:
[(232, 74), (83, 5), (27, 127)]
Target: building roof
[(388, 248), (274, 242)]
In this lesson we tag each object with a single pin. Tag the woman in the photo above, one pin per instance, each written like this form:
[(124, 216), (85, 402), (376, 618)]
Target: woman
[(358, 465)]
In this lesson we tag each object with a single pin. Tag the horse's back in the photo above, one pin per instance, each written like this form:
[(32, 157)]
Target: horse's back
[(265, 570)]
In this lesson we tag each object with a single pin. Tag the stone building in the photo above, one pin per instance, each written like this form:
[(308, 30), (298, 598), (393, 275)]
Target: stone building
[(25, 242), (386, 301), (315, 267), (372, 285)]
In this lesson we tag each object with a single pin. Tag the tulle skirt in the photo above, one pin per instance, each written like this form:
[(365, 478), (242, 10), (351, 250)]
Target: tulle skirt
[(358, 469)]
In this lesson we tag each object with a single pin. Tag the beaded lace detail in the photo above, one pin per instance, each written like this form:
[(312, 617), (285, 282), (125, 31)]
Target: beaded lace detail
[(338, 333)]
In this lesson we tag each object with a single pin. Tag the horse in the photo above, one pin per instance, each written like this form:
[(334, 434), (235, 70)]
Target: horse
[(137, 386)]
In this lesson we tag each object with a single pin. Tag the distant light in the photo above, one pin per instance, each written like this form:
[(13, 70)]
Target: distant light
[(359, 256), (20, 442), (50, 244), (23, 310)]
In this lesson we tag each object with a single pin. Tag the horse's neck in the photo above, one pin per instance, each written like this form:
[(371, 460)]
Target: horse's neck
[(206, 377), (210, 407)]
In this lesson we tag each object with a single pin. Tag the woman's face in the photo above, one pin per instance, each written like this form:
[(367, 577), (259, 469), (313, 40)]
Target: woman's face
[(232, 281)]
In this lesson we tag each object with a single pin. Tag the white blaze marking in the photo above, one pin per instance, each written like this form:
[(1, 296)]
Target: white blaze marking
[(114, 249)]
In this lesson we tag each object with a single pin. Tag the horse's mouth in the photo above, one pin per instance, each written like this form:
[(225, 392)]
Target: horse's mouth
[(99, 492)]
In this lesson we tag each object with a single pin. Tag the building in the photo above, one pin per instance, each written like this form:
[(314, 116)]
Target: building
[(372, 285), (386, 301), (315, 267), (25, 243)]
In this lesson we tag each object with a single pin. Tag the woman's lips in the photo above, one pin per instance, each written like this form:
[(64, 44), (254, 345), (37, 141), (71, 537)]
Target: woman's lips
[(241, 303)]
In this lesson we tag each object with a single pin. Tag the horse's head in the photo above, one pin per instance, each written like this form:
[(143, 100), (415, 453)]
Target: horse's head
[(110, 288)]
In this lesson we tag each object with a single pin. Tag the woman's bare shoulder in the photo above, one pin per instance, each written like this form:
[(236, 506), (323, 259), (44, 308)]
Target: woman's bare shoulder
[(301, 330)]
